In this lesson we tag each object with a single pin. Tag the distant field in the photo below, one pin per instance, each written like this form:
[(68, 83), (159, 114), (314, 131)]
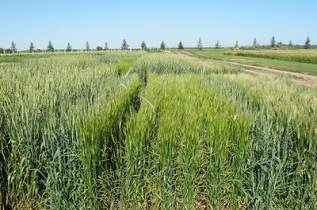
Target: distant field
[(134, 130), (298, 55), (225, 55)]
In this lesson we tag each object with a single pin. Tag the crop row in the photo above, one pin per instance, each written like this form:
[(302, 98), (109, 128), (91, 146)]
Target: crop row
[(42, 103), (282, 157)]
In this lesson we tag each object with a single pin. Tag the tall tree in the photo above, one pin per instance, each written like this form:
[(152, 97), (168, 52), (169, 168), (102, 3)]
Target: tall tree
[(307, 43), (255, 43), (50, 47), (200, 44), (31, 49), (143, 45), (217, 45), (236, 45), (163, 46), (124, 45), (273, 42), (290, 44), (87, 46), (106, 46), (279, 44), (68, 48), (13, 47), (180, 46)]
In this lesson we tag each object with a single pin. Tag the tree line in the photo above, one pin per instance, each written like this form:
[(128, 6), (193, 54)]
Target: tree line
[(143, 46)]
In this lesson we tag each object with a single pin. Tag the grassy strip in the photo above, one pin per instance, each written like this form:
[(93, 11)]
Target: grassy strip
[(218, 54), (178, 64), (176, 148), (302, 56), (101, 133), (283, 149), (140, 135), (123, 66), (42, 101), (5, 150)]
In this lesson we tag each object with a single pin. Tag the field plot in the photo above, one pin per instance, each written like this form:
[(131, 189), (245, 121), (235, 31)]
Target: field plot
[(302, 56), (153, 131), (234, 56)]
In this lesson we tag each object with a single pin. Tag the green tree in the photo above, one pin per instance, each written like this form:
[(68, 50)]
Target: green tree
[(143, 45), (106, 46), (50, 47), (87, 46), (273, 42), (307, 43), (13, 47), (1, 50), (98, 48), (124, 45), (200, 44), (279, 44), (31, 49), (68, 48), (163, 46), (217, 45), (236, 45), (180, 46), (8, 51), (290, 44), (255, 43)]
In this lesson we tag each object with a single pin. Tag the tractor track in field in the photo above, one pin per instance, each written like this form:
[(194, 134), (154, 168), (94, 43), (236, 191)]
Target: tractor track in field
[(297, 77), (300, 78)]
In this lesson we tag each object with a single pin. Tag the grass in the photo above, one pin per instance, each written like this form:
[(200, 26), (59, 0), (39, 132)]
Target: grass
[(171, 163), (42, 103), (138, 130), (100, 137), (302, 56), (178, 64), (220, 54), (282, 143)]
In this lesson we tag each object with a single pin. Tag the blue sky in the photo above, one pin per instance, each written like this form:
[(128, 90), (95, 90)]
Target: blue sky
[(98, 21)]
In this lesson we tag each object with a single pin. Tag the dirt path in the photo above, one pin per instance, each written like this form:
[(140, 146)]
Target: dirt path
[(297, 77)]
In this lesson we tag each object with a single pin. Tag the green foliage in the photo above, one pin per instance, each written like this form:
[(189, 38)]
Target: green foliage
[(302, 56), (307, 43), (180, 46), (255, 43), (13, 47), (106, 46), (98, 48), (68, 48), (273, 42), (100, 142), (143, 45), (162, 46), (172, 64), (137, 130), (87, 46), (124, 45), (217, 45), (282, 140), (50, 47), (200, 44), (236, 46), (123, 66), (50, 96), (31, 49)]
